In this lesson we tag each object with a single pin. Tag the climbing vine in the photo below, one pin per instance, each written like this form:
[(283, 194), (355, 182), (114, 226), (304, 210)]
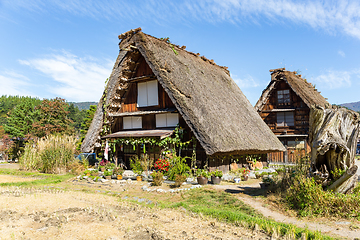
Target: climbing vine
[(176, 140)]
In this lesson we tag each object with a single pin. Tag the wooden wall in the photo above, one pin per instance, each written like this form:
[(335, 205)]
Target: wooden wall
[(301, 113), (130, 103)]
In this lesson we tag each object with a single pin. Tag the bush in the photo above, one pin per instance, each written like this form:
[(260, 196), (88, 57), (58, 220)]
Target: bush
[(179, 179), (178, 167), (52, 154), (158, 178), (307, 197)]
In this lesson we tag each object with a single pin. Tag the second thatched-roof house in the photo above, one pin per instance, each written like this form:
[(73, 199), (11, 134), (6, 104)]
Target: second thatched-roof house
[(156, 86), (285, 107)]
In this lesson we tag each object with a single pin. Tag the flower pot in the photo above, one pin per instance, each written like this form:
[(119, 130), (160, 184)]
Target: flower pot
[(215, 180), (237, 180), (119, 177), (108, 177), (102, 169), (139, 178), (202, 180), (245, 178)]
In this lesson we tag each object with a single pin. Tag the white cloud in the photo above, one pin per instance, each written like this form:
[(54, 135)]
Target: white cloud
[(75, 78), (334, 79), (330, 16), (12, 83), (245, 82), (341, 53)]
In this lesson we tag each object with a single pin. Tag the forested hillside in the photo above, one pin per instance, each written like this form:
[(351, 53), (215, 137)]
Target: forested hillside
[(23, 119)]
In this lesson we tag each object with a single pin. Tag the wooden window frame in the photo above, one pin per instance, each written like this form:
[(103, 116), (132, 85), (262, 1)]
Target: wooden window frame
[(133, 119), (147, 93), (286, 115)]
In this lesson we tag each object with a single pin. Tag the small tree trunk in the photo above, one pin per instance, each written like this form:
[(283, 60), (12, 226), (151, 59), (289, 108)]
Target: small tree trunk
[(345, 182)]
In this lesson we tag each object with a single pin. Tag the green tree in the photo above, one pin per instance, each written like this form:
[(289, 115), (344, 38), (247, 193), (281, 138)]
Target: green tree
[(21, 118), (8, 103), (53, 118), (85, 125), (76, 115)]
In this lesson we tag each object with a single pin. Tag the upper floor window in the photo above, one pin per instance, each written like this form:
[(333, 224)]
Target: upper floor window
[(148, 94), (132, 122), (285, 119), (283, 96), (167, 120)]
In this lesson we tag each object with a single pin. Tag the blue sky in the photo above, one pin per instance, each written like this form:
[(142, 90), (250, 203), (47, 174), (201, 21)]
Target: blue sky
[(67, 48)]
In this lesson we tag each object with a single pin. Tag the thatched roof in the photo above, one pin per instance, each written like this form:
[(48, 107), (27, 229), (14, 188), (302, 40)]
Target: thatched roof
[(210, 102), (305, 90)]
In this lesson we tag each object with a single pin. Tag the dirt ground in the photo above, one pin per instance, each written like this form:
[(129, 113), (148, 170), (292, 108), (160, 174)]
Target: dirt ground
[(53, 213), (98, 211)]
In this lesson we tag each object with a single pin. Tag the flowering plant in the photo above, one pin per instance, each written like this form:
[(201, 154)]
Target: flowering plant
[(245, 172), (103, 162), (162, 165)]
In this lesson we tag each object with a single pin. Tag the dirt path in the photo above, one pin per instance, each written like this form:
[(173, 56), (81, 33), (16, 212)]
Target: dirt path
[(341, 228)]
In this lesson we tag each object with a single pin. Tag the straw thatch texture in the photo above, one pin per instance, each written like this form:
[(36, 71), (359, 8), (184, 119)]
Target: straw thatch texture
[(305, 90), (213, 106)]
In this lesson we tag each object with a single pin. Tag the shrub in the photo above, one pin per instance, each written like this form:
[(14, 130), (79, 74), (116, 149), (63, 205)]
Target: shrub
[(76, 167), (303, 194), (52, 154), (135, 164), (179, 179), (178, 167), (158, 178), (118, 171)]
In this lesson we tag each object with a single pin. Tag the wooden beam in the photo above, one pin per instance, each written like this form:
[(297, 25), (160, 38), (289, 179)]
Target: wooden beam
[(142, 78)]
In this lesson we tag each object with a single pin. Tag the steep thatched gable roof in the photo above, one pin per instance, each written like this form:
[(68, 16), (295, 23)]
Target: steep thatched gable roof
[(305, 90), (210, 102)]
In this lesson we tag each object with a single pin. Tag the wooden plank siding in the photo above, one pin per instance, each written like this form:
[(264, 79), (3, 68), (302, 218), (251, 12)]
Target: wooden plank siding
[(301, 114), (130, 103)]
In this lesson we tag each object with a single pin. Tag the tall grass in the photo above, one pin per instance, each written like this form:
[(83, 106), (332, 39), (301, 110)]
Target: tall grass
[(51, 154), (303, 194)]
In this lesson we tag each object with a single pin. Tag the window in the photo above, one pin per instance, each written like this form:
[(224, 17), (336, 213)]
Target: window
[(285, 119), (283, 96), (296, 144), (148, 94), (132, 122), (167, 120)]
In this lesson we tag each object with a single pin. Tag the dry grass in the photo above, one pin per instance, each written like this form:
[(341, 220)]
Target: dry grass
[(11, 178)]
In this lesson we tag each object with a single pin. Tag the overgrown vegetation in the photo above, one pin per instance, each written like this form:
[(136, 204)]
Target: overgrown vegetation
[(52, 154), (302, 193)]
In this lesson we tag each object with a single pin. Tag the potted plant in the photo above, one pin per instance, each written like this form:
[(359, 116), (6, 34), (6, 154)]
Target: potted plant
[(107, 174), (202, 176), (136, 166), (245, 174), (216, 176), (118, 172), (102, 165)]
